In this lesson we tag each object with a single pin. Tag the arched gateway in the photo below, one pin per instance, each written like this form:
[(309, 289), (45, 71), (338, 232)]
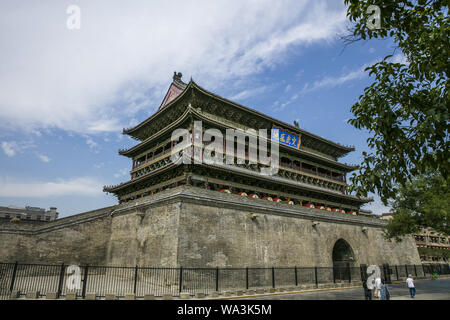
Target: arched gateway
[(343, 260)]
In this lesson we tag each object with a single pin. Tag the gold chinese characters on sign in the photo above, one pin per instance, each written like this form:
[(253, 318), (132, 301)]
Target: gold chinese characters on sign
[(286, 138)]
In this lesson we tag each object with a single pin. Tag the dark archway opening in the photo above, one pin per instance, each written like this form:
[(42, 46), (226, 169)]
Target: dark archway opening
[(343, 260)]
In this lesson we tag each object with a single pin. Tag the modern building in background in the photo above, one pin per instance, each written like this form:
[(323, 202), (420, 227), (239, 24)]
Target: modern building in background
[(433, 247), (28, 213)]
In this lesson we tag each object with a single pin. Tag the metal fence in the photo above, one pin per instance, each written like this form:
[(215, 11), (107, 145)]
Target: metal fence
[(161, 281)]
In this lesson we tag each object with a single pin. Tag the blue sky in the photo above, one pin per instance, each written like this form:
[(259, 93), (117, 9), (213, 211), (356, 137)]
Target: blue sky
[(67, 94)]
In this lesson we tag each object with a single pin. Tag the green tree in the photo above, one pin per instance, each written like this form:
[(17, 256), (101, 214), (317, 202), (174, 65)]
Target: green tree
[(420, 203), (406, 108)]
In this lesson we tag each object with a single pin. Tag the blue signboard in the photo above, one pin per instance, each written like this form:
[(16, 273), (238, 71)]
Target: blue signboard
[(285, 138)]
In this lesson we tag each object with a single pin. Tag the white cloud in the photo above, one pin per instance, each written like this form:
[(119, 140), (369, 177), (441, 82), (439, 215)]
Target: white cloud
[(245, 94), (99, 165), (43, 157), (91, 143), (122, 172), (285, 104), (356, 74), (331, 82), (95, 79), (11, 148), (85, 186), (327, 82)]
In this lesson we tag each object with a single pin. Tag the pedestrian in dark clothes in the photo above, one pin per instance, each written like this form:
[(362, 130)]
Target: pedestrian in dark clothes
[(367, 290)]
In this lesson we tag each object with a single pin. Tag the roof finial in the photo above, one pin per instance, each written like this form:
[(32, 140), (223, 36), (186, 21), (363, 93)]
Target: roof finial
[(177, 76)]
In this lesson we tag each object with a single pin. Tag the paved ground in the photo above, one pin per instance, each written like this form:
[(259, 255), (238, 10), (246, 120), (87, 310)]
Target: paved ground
[(425, 290)]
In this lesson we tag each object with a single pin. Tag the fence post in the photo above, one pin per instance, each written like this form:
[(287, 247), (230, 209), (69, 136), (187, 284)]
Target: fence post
[(246, 277), (296, 277), (334, 275), (83, 292), (181, 279), (60, 282), (135, 279), (273, 277), (361, 272), (388, 273), (349, 274), (13, 278), (406, 270), (415, 270), (396, 272), (315, 276), (217, 279)]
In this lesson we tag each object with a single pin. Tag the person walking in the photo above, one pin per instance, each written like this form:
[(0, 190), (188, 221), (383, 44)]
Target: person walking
[(384, 291), (410, 285), (367, 290), (377, 287)]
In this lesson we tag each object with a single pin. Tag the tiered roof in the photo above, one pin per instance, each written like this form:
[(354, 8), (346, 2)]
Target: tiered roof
[(186, 101), (178, 89)]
